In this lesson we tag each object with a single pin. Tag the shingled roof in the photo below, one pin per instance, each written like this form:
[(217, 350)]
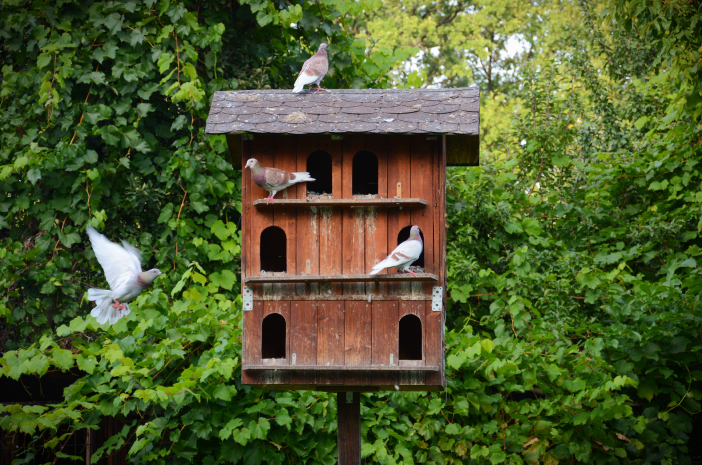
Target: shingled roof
[(339, 111)]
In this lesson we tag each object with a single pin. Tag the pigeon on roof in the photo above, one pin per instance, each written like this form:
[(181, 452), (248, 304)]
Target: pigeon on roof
[(122, 267), (314, 70), (404, 255), (273, 179)]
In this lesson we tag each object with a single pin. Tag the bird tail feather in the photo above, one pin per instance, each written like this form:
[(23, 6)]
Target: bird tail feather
[(379, 267), (303, 177), (104, 311), (298, 87)]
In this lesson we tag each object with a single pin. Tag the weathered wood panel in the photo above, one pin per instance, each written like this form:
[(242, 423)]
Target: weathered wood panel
[(303, 339), (399, 178), (307, 260), (331, 339), (384, 341), (263, 149), (286, 218), (376, 221), (357, 339), (330, 250), (246, 207), (434, 334), (251, 342), (422, 170)]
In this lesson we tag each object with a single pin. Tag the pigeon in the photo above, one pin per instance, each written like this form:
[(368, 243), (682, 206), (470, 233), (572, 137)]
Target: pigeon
[(122, 267), (314, 70), (273, 179), (404, 254)]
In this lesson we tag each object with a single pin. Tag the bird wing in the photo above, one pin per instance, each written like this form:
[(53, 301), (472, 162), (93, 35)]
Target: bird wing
[(275, 177), (408, 251), (121, 265), (314, 69)]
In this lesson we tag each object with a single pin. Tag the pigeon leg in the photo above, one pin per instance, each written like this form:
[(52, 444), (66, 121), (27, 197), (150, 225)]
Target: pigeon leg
[(273, 195), (121, 307), (320, 88), (116, 304), (412, 273)]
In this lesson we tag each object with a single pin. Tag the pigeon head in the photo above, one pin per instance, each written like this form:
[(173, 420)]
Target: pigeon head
[(253, 164), (322, 48), (414, 234), (146, 278)]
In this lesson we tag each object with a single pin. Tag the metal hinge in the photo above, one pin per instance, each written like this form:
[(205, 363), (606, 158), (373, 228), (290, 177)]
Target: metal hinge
[(248, 298), (437, 299)]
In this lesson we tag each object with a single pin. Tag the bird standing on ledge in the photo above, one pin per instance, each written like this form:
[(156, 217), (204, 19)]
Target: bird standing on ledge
[(404, 254), (314, 70), (273, 179)]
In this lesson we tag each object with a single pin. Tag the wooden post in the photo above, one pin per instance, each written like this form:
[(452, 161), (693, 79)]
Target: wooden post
[(348, 408)]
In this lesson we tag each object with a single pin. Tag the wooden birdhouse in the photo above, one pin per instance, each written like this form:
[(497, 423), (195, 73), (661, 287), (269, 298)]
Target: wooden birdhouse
[(313, 316)]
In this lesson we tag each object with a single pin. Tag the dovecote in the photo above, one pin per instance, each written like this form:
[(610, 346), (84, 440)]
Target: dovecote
[(313, 317)]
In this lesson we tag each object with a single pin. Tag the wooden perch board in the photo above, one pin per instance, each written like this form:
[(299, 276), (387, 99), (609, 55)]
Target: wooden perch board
[(358, 278), (342, 203)]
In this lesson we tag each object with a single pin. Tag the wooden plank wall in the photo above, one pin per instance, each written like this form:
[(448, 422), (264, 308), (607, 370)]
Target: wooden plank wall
[(331, 241)]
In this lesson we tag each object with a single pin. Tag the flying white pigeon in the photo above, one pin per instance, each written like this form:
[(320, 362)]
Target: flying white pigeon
[(122, 267), (404, 254), (273, 179), (314, 70)]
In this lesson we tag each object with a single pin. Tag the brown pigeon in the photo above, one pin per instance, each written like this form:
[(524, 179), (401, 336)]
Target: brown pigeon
[(273, 179), (314, 70)]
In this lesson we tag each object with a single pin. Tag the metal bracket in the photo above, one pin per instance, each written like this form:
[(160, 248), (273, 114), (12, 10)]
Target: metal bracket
[(437, 298), (248, 298)]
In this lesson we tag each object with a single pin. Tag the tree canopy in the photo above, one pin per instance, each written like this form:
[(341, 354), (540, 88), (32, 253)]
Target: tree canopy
[(574, 319)]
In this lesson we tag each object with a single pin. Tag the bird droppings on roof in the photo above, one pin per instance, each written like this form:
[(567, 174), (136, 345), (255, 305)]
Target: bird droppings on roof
[(339, 111)]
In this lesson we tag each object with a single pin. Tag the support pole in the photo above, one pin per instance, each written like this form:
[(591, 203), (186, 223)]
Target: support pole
[(348, 436)]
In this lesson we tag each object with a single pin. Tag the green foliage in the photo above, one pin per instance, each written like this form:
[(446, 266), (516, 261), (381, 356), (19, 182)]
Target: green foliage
[(574, 260)]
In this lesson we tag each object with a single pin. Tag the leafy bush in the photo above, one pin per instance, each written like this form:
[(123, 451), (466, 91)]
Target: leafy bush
[(574, 313)]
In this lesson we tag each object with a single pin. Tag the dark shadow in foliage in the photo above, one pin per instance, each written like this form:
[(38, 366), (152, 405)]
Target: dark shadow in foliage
[(273, 336), (365, 173), (410, 338), (403, 236), (273, 250), (319, 165)]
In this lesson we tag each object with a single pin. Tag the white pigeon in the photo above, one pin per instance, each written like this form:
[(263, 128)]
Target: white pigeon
[(404, 254), (313, 70), (122, 267)]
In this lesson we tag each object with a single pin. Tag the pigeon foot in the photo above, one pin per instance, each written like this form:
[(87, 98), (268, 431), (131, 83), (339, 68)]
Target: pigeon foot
[(321, 89), (116, 304)]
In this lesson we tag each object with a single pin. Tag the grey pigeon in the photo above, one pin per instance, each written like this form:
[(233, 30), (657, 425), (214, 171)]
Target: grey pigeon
[(404, 254), (122, 267), (273, 179), (314, 70)]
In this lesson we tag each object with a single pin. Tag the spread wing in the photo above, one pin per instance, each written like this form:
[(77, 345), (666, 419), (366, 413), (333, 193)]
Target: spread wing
[(120, 264)]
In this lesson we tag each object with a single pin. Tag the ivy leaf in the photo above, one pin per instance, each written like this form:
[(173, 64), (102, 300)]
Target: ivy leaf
[(86, 364), (63, 358), (259, 430), (33, 175)]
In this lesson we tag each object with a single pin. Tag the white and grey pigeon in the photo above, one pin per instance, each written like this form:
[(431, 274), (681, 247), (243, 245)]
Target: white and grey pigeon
[(273, 179), (404, 254), (122, 267), (314, 70)]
